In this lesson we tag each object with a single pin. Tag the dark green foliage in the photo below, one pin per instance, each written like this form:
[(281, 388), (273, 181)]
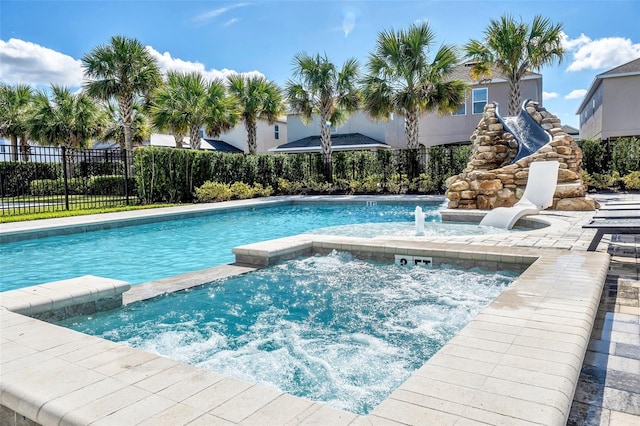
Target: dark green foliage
[(173, 175), (626, 155), (94, 185), (101, 168), (445, 161), (109, 185), (46, 187), (593, 153), (17, 176)]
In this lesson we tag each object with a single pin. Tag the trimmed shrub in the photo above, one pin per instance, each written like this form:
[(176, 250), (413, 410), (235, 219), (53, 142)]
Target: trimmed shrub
[(261, 191), (46, 187), (626, 155), (17, 177), (593, 153), (109, 185), (286, 187), (632, 180), (241, 191), (213, 191)]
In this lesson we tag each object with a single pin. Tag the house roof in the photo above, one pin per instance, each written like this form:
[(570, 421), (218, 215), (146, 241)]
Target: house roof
[(627, 69), (632, 67), (570, 130), (339, 142), (463, 72), (160, 139), (220, 146)]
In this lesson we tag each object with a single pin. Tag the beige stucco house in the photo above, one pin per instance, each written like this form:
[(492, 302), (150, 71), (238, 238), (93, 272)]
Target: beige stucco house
[(235, 140), (435, 129), (611, 107), (267, 136)]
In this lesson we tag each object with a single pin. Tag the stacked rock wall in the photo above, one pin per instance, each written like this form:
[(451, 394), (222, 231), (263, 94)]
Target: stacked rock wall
[(490, 180)]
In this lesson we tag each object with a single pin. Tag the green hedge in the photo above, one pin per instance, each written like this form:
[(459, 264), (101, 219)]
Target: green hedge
[(95, 185), (620, 155), (173, 175), (17, 177)]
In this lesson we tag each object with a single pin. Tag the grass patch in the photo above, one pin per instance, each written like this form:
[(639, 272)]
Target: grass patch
[(20, 217)]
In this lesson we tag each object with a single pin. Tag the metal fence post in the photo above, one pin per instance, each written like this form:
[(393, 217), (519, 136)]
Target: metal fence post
[(64, 177), (126, 175)]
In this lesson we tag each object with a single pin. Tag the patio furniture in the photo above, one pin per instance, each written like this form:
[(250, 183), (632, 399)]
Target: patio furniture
[(538, 195), (618, 214), (611, 226), (627, 205)]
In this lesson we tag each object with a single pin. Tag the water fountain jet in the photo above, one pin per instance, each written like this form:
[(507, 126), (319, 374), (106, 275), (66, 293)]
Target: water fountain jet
[(419, 216)]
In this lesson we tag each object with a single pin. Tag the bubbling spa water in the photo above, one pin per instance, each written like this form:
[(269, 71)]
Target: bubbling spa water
[(327, 328)]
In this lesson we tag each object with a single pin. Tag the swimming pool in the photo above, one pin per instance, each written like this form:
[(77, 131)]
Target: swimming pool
[(152, 251), (328, 328)]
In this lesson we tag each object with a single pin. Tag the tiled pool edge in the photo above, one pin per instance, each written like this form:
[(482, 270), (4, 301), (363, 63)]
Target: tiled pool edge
[(542, 322)]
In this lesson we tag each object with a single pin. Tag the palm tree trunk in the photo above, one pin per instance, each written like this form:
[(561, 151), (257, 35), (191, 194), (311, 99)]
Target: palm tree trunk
[(411, 129), (178, 139), (126, 110), (24, 147), (515, 99), (325, 142), (14, 148), (250, 125), (194, 137)]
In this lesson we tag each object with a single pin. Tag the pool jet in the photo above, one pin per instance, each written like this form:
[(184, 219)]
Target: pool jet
[(419, 215)]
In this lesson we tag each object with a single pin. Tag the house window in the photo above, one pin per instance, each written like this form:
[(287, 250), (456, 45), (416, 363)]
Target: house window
[(480, 97), (276, 132), (462, 109)]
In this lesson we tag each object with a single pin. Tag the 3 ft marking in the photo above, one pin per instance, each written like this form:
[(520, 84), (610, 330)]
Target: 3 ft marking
[(405, 260)]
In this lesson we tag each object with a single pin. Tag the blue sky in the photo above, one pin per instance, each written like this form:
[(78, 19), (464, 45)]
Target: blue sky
[(41, 42)]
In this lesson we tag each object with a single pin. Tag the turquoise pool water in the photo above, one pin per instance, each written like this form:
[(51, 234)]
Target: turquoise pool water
[(328, 328), (143, 253)]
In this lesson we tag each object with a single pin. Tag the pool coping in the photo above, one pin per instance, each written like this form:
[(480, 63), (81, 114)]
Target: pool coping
[(517, 362)]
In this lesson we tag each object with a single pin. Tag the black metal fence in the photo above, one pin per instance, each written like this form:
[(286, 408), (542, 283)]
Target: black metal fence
[(45, 178)]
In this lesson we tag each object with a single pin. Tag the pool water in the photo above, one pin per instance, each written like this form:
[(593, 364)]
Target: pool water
[(143, 253), (328, 328)]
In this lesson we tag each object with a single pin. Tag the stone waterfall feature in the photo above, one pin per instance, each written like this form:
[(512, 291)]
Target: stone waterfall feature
[(491, 180)]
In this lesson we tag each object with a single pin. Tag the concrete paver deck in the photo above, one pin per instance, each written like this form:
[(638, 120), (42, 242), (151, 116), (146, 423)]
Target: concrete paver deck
[(481, 376)]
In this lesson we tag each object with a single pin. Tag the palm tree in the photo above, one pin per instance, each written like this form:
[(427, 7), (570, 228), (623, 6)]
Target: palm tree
[(321, 89), (165, 111), (123, 70), (258, 98), (66, 119), (515, 48), (15, 103), (187, 102), (114, 129), (402, 79)]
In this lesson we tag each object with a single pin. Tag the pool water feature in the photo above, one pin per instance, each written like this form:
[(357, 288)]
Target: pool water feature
[(153, 251), (328, 328)]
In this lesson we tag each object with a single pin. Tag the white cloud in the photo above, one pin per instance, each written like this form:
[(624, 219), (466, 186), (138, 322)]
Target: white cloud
[(549, 95), (208, 16), (576, 94), (168, 63), (607, 52), (32, 64), (35, 65), (230, 22)]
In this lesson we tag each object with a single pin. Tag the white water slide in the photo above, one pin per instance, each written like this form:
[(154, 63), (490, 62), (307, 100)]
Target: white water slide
[(527, 131)]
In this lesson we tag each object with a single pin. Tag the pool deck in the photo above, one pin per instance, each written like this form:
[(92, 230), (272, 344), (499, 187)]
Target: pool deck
[(559, 346)]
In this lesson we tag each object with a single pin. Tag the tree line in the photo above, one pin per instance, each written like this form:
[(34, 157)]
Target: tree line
[(125, 95)]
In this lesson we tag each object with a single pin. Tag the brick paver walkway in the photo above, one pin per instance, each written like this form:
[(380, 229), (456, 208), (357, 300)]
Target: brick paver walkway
[(608, 392)]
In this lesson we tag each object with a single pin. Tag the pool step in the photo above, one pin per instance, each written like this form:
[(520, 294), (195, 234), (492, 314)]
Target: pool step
[(58, 300)]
